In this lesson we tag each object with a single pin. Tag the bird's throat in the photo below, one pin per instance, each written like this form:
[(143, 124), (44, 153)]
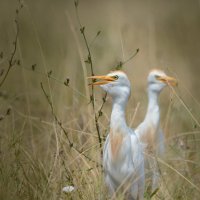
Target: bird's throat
[(118, 129), (118, 120), (152, 119), (153, 106)]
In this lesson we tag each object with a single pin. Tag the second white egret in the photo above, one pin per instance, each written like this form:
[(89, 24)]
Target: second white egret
[(149, 131)]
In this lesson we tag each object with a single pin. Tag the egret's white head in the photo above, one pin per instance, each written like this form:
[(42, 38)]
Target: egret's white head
[(157, 80), (116, 84)]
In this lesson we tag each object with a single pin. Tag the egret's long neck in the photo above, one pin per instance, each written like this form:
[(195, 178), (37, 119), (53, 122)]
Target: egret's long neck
[(118, 121), (153, 112), (118, 129)]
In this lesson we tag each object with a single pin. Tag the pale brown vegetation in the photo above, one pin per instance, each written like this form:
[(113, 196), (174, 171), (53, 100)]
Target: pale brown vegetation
[(36, 158)]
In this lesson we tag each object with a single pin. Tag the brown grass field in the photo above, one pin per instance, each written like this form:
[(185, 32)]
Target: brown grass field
[(45, 98)]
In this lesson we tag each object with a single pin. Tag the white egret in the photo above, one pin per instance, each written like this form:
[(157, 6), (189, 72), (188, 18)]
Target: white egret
[(149, 131), (123, 160)]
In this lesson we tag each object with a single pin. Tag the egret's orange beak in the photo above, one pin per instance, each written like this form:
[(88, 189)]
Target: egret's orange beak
[(101, 80), (168, 80)]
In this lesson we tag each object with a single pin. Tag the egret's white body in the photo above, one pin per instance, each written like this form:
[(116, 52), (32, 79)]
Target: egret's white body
[(123, 158), (149, 131)]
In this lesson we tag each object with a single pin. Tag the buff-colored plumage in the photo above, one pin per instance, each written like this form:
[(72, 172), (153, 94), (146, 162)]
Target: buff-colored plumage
[(149, 131), (123, 159)]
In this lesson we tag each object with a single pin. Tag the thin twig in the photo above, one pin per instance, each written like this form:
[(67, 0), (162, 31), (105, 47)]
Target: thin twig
[(63, 129), (101, 108), (50, 76), (91, 43), (179, 173), (122, 63), (90, 159), (90, 62), (55, 117), (131, 57), (11, 61), (186, 107)]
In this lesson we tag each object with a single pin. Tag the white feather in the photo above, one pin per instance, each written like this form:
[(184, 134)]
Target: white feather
[(149, 130), (123, 158)]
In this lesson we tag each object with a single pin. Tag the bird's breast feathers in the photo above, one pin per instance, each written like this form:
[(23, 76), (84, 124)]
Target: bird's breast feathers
[(120, 158), (116, 141), (147, 135), (119, 147)]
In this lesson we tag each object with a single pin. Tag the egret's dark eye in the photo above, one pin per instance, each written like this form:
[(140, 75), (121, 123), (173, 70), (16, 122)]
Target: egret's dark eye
[(115, 77), (157, 76)]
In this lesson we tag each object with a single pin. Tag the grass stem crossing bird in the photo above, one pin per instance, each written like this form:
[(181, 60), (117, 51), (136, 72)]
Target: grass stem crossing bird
[(149, 131), (123, 160)]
